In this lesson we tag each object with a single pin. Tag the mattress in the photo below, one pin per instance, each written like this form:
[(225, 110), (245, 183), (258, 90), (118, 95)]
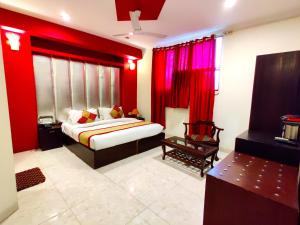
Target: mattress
[(108, 140)]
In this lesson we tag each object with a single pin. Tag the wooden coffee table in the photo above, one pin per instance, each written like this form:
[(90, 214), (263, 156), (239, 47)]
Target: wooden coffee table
[(195, 155)]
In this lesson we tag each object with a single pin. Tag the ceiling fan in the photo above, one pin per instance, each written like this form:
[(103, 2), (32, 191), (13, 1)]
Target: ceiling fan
[(137, 29)]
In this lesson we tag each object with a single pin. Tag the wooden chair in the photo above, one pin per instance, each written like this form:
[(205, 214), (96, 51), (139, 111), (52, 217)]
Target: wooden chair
[(211, 137)]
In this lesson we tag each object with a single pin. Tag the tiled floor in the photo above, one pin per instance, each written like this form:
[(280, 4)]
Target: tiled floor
[(139, 190)]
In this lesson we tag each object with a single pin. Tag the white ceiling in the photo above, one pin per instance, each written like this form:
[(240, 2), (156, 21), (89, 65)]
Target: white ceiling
[(179, 19)]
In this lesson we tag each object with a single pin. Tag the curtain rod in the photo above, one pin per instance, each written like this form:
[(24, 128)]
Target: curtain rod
[(195, 40)]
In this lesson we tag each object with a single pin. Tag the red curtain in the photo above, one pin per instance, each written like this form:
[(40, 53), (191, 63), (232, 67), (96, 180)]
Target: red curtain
[(202, 90), (180, 78), (183, 75), (158, 86)]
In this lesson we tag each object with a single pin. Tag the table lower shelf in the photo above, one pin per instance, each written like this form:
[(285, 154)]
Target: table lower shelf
[(198, 162)]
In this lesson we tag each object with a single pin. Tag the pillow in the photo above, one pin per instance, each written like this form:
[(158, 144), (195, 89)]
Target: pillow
[(87, 117), (134, 112), (94, 111), (105, 113), (116, 112), (74, 116)]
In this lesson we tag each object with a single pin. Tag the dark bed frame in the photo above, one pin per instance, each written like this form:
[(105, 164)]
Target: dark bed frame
[(96, 159)]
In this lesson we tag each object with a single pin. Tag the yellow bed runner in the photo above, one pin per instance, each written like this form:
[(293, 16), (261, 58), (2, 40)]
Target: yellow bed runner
[(85, 136)]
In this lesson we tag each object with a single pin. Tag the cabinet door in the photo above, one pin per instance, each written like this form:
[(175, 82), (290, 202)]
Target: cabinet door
[(276, 91)]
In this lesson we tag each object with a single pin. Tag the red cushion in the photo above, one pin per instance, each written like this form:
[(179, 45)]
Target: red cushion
[(87, 117), (203, 138), (116, 112)]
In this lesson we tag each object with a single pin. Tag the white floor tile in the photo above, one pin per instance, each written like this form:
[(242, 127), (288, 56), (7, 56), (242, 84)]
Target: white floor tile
[(195, 184), (65, 218), (143, 189), (146, 186), (26, 160), (37, 205), (110, 206), (180, 206), (147, 217)]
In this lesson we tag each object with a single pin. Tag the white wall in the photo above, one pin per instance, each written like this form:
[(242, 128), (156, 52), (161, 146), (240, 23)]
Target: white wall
[(144, 84), (232, 105), (8, 193)]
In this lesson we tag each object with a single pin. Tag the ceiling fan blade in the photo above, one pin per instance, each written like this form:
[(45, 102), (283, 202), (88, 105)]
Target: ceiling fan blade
[(121, 35), (134, 18), (151, 34)]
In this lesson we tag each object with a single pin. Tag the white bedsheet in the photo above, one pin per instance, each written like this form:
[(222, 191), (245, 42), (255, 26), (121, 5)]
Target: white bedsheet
[(103, 141)]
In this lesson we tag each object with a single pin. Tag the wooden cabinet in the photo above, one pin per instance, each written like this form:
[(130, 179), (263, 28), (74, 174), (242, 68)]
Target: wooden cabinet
[(247, 190)]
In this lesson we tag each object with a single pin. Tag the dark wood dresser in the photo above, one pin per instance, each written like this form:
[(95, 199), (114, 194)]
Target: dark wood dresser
[(247, 190)]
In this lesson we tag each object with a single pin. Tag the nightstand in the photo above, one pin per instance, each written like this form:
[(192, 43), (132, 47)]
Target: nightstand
[(50, 136), (136, 117), (140, 118)]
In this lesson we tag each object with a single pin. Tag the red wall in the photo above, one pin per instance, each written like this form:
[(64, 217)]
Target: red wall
[(129, 88), (20, 76), (21, 93), (51, 31)]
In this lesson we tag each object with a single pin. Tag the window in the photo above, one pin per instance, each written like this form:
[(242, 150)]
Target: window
[(218, 58), (62, 84)]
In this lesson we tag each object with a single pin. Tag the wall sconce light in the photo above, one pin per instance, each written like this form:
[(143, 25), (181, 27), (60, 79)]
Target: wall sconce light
[(13, 40), (131, 64), (13, 37)]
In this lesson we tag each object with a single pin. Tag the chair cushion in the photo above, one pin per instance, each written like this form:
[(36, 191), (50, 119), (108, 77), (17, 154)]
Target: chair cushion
[(203, 138)]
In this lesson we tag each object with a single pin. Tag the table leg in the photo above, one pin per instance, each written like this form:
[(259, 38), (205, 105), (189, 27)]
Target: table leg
[(202, 167), (164, 151)]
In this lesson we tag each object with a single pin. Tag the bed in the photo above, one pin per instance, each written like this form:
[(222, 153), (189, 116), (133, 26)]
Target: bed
[(106, 141)]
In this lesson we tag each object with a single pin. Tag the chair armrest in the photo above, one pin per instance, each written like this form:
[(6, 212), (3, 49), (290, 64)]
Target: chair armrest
[(218, 128), (218, 133)]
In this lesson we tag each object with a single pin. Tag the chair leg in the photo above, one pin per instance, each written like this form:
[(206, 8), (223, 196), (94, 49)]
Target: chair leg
[(213, 157), (217, 158)]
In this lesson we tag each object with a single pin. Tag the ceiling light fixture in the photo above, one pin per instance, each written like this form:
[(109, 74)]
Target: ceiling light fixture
[(229, 3), (13, 41), (65, 16), (131, 64), (15, 30)]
